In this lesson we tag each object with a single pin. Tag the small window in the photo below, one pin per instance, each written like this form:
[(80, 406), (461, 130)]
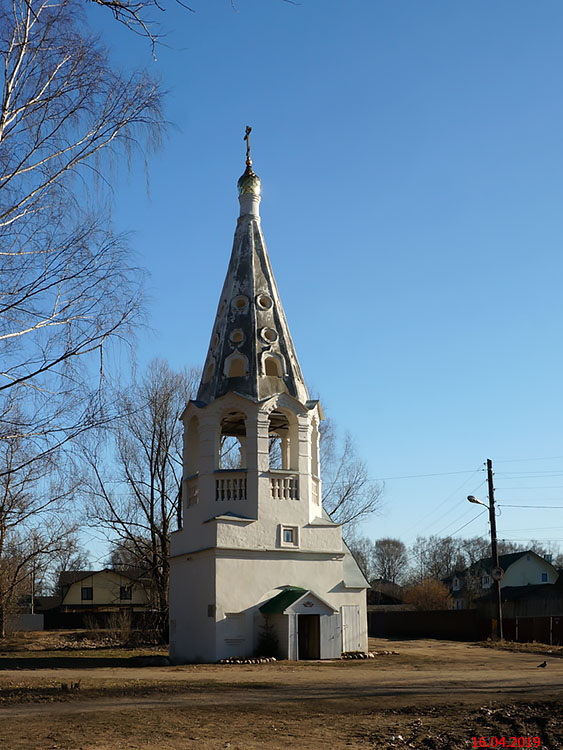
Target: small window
[(125, 592), (486, 581), (87, 593), (544, 577), (289, 536)]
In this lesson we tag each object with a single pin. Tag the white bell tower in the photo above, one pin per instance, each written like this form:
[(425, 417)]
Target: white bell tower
[(253, 525)]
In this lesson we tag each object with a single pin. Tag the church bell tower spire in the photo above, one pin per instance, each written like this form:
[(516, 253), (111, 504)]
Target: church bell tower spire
[(251, 351)]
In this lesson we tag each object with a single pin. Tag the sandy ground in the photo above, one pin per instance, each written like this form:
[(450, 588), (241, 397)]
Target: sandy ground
[(431, 694)]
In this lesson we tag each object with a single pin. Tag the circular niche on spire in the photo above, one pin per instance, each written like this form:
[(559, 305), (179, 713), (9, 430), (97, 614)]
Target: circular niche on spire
[(264, 301), (269, 335), (237, 337), (240, 303)]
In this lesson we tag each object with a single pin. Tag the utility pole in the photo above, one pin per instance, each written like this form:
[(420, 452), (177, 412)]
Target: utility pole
[(33, 562), (494, 548)]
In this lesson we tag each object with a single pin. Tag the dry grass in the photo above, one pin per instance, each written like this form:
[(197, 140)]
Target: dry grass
[(432, 694), (541, 649)]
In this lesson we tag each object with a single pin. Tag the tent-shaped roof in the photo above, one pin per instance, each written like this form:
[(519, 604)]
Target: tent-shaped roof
[(251, 350)]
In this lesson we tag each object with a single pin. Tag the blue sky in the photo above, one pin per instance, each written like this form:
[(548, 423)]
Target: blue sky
[(411, 156)]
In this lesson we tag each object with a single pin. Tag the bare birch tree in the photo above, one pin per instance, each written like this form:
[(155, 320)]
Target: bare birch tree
[(137, 15), (68, 285), (69, 288), (137, 504)]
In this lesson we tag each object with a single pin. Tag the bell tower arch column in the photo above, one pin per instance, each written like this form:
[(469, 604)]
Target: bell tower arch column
[(257, 457), (304, 431)]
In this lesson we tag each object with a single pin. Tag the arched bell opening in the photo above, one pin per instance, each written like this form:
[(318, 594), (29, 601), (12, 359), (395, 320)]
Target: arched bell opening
[(315, 462), (192, 447), (232, 441), (282, 441)]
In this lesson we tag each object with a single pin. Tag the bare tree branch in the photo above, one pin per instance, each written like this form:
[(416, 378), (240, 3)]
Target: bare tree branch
[(69, 288), (136, 502), (349, 496)]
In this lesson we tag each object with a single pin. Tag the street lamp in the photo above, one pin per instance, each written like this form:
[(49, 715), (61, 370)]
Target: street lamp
[(497, 571)]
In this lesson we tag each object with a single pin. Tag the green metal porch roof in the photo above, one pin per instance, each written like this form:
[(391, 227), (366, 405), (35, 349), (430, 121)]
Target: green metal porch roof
[(282, 601)]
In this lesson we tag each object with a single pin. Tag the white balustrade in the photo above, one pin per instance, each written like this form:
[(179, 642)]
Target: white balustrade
[(231, 487), (284, 487)]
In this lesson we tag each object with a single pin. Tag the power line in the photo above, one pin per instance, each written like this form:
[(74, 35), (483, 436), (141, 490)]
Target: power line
[(529, 540), (516, 475), (537, 499), (418, 476), (436, 508), (530, 473), (533, 528), (520, 460), (541, 507), (543, 487), (467, 524), (413, 555)]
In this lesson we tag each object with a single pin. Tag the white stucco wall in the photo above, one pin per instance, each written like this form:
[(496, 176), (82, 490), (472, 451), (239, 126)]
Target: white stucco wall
[(192, 590), (241, 582)]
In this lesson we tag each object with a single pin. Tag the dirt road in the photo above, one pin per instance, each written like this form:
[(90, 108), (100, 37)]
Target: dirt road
[(429, 694)]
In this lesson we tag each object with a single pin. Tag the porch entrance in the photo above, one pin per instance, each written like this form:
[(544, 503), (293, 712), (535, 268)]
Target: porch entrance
[(309, 636)]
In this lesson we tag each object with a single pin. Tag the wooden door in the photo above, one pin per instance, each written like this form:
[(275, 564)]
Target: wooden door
[(351, 627)]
